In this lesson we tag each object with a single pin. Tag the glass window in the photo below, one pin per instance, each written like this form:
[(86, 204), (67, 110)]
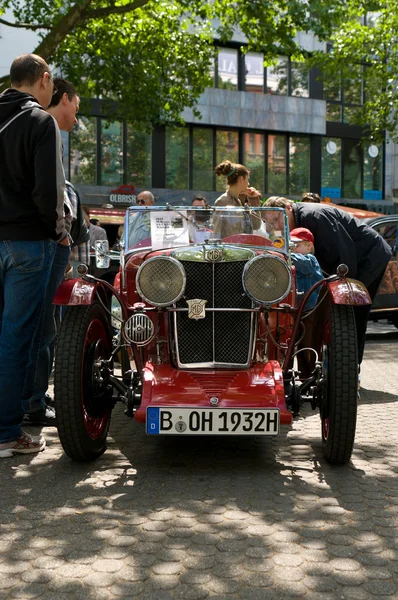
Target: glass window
[(254, 72), (331, 89), (83, 155), (277, 164), (227, 148), (277, 77), (111, 153), (202, 159), (253, 158), (228, 69), (139, 158), (177, 139), (331, 168), (299, 80), (351, 156), (373, 172), (333, 112), (299, 165), (352, 86)]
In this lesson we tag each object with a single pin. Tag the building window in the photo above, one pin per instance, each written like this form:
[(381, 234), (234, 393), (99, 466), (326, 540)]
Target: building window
[(299, 164), (177, 152), (227, 148), (331, 168), (83, 152), (139, 158), (373, 172), (254, 72), (254, 159), (227, 69), (351, 157), (299, 80), (277, 164), (277, 77), (202, 159), (344, 99), (111, 153)]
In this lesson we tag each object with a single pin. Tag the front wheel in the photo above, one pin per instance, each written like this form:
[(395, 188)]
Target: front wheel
[(340, 395), (83, 401)]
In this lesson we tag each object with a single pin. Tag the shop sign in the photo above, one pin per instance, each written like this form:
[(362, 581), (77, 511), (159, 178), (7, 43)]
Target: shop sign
[(125, 194)]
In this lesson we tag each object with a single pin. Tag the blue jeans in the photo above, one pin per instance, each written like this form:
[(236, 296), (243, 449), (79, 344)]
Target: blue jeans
[(42, 351), (25, 269)]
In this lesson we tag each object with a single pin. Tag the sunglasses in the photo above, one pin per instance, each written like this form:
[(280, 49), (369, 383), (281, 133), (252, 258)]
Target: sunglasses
[(140, 201)]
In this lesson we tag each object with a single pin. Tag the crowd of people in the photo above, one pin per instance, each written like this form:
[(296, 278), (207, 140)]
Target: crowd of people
[(45, 233)]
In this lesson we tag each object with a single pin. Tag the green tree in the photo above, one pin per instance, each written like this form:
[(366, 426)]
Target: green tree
[(152, 56)]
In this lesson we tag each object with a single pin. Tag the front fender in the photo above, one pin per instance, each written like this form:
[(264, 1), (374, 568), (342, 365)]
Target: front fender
[(349, 291), (75, 292)]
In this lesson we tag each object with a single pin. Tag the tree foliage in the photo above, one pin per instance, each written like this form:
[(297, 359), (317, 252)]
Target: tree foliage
[(153, 56)]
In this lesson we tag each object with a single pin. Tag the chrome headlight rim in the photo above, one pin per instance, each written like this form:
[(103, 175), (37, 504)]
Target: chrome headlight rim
[(273, 258), (139, 316), (164, 258)]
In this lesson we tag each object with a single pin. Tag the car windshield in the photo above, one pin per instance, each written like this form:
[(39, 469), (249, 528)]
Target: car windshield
[(159, 227)]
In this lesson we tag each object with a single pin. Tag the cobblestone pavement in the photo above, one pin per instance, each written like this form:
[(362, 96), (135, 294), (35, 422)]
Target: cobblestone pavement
[(211, 518)]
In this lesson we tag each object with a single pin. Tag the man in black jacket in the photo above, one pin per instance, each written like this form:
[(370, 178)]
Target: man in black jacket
[(64, 106), (32, 187), (341, 238)]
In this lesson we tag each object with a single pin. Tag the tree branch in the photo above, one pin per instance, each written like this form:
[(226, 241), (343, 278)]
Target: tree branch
[(24, 25), (113, 10)]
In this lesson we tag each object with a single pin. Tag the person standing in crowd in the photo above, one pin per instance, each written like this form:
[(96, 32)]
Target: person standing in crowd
[(32, 188), (199, 221), (140, 225), (96, 233), (340, 238), (38, 411), (238, 194), (310, 197)]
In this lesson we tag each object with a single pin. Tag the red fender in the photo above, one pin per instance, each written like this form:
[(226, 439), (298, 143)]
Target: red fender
[(349, 291), (75, 292), (247, 238)]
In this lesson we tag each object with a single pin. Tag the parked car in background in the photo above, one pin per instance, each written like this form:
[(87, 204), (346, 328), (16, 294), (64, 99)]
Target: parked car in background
[(385, 305)]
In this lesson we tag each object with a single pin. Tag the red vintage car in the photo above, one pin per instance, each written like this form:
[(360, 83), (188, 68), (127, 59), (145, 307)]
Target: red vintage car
[(208, 325)]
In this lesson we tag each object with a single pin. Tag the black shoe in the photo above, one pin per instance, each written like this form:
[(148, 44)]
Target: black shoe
[(44, 416)]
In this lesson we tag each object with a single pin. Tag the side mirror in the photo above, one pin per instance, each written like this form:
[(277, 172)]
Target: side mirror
[(102, 258)]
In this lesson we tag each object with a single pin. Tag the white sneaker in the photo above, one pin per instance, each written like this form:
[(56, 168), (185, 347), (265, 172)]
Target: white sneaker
[(25, 444)]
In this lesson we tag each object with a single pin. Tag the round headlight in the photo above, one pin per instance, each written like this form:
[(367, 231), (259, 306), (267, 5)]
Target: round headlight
[(161, 280), (266, 279)]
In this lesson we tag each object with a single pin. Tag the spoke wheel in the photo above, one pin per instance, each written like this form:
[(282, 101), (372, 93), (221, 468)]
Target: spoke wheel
[(340, 394), (83, 402)]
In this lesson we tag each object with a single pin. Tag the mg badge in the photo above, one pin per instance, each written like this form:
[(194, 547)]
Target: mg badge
[(214, 254), (214, 400), (196, 309)]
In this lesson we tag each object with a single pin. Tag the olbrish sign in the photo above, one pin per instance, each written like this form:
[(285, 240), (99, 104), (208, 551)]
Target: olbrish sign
[(125, 194)]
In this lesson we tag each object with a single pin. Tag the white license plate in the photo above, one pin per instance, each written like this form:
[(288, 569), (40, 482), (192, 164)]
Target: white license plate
[(212, 421)]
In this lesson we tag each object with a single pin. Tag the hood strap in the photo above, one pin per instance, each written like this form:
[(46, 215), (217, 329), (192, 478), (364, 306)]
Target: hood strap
[(23, 111)]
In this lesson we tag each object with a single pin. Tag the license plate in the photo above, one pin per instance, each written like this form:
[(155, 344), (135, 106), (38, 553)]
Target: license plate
[(211, 421)]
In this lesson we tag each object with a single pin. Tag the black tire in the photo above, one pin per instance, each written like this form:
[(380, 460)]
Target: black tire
[(83, 406), (340, 398)]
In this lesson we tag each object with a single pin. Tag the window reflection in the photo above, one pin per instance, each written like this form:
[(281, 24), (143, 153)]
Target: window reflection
[(253, 158), (83, 141), (373, 172), (111, 153), (331, 167), (299, 80), (228, 69), (139, 158), (202, 158), (299, 164), (254, 72), (177, 157), (351, 169), (277, 77), (277, 164)]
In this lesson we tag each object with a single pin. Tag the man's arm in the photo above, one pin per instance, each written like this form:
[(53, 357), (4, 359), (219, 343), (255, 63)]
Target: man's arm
[(49, 190)]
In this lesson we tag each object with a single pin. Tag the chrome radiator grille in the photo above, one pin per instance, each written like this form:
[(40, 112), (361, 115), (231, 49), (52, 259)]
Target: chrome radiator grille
[(221, 338)]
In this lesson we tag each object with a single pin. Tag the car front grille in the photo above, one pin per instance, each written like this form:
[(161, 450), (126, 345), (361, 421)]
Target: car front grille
[(221, 338)]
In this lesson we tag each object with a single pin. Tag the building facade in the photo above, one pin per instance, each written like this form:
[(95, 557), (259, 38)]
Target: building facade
[(290, 128)]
